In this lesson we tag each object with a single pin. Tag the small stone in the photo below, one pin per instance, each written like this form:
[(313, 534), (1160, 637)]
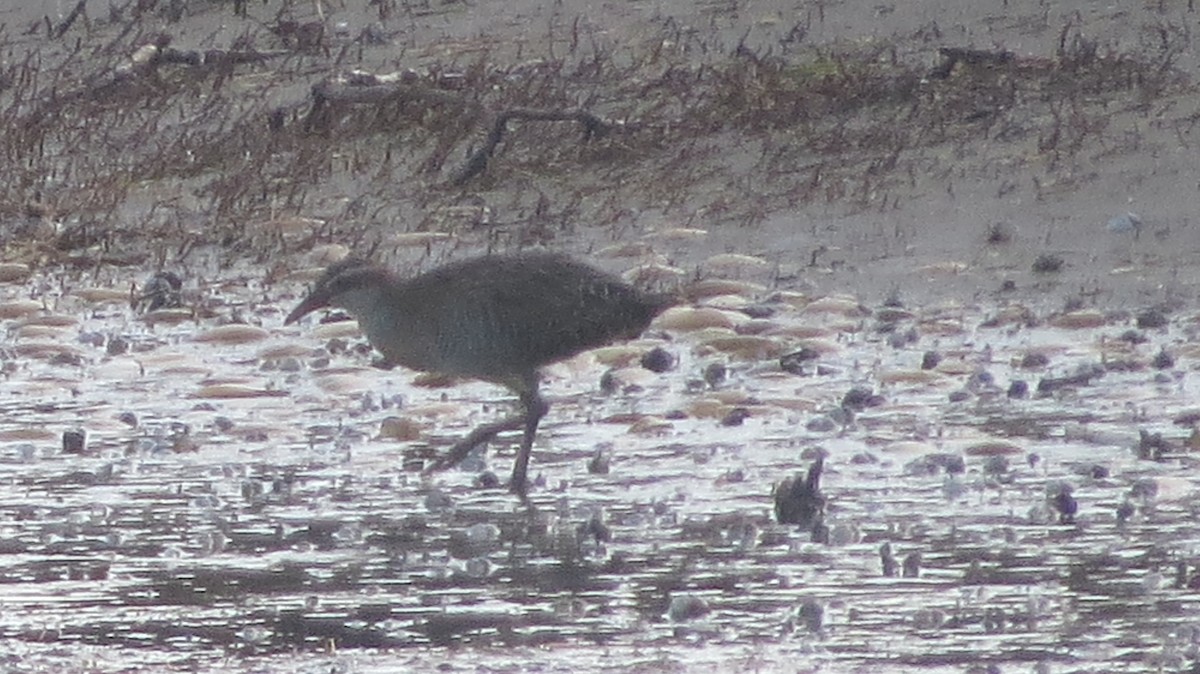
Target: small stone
[(487, 480), (658, 360), (1163, 360), (930, 360), (758, 310), (932, 464), (732, 476), (821, 424), (793, 363), (74, 441), (686, 607), (904, 338), (1127, 222), (715, 374), (1034, 360), (859, 398), (1082, 377), (399, 428), (995, 465), (1065, 504), (736, 417), (478, 567), (810, 615), (980, 380), (116, 346), (66, 359), (1133, 337), (959, 396), (1152, 319), (437, 500), (1018, 389), (482, 534)]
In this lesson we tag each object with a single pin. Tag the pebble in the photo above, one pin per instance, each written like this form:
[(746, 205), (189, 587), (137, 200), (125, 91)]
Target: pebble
[(735, 262), (1083, 319), (1126, 222), (1152, 319), (684, 608), (233, 334), (74, 441), (793, 363), (659, 360), (715, 374), (14, 272), (839, 306), (747, 347), (690, 319), (19, 309), (234, 391), (399, 428)]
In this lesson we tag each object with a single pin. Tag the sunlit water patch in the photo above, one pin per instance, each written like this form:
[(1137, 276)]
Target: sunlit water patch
[(211, 495)]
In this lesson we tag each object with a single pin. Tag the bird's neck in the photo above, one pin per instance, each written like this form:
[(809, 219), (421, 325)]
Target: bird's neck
[(379, 306)]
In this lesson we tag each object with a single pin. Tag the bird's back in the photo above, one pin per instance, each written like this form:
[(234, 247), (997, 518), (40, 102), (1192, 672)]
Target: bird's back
[(503, 317)]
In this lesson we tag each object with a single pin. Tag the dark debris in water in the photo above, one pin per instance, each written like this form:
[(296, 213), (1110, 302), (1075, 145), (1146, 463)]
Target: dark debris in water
[(799, 501), (162, 291)]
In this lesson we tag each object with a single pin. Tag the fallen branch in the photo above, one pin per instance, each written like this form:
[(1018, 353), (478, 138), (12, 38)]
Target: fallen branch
[(593, 127)]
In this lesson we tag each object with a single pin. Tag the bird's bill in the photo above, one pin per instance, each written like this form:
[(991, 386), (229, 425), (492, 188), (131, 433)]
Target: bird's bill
[(308, 305)]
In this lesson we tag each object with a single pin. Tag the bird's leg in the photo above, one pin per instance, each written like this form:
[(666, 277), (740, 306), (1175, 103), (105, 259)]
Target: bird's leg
[(477, 437), (535, 409)]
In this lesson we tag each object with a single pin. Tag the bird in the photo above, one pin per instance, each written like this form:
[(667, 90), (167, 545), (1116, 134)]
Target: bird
[(498, 318)]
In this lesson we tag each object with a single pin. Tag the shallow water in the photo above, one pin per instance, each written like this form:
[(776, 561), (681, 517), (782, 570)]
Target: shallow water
[(235, 508)]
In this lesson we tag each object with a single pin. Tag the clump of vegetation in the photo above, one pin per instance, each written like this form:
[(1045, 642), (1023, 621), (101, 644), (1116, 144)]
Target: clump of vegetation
[(138, 144)]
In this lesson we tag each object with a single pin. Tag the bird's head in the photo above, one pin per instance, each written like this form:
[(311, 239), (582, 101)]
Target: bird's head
[(351, 284)]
